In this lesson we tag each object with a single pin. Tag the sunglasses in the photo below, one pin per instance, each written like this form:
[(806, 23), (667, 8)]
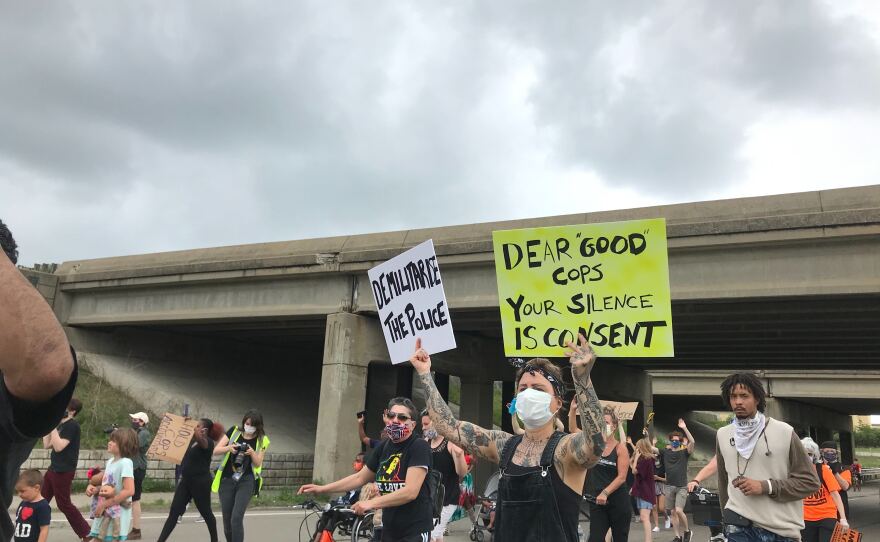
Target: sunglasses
[(400, 417)]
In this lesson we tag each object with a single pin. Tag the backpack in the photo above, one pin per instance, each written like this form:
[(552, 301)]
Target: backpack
[(436, 491)]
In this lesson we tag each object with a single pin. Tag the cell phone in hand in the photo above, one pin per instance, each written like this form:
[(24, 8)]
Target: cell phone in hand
[(361, 414)]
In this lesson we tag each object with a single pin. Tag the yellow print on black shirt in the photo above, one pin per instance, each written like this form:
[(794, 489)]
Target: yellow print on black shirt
[(388, 476)]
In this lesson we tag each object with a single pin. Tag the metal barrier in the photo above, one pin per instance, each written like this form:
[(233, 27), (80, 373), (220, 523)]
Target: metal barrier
[(870, 474)]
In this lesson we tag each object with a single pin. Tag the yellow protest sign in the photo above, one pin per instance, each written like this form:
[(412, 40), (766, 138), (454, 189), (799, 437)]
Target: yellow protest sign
[(608, 281)]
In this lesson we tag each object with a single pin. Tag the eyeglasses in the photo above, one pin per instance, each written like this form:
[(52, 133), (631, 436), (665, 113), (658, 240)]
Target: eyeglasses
[(400, 417)]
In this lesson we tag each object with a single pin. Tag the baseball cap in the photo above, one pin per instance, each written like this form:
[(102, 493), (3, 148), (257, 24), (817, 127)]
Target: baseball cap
[(142, 416)]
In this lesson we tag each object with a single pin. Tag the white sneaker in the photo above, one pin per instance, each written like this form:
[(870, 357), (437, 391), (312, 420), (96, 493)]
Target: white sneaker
[(668, 524), (656, 529)]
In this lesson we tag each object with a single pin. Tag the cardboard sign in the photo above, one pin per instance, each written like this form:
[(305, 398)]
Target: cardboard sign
[(172, 438), (623, 411), (843, 534), (609, 282), (411, 302)]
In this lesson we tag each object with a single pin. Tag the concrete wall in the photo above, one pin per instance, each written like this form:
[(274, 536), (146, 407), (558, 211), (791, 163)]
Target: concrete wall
[(44, 281), (279, 470), (219, 379)]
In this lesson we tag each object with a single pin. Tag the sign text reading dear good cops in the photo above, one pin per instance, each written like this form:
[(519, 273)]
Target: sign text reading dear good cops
[(609, 282)]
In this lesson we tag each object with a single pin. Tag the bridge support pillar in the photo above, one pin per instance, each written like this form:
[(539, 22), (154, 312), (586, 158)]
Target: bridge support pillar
[(350, 343), (819, 423), (847, 447), (477, 395), (615, 382)]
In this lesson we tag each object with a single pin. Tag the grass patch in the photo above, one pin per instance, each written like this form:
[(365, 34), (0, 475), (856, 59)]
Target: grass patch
[(283, 497), (104, 405)]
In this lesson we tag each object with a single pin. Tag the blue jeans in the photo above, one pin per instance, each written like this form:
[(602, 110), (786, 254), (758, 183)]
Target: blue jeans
[(752, 534)]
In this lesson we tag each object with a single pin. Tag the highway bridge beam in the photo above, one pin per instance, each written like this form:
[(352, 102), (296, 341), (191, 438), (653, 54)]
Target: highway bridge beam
[(350, 344)]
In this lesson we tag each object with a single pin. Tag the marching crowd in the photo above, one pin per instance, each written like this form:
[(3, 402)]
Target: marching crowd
[(773, 485)]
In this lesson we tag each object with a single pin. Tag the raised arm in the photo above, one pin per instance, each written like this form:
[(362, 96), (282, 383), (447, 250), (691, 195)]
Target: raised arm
[(584, 448), (474, 439), (691, 444), (361, 433), (35, 357)]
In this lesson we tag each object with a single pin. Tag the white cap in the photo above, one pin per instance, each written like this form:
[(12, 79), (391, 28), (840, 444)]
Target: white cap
[(142, 416)]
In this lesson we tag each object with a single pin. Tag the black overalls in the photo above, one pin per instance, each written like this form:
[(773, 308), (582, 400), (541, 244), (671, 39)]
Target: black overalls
[(528, 507)]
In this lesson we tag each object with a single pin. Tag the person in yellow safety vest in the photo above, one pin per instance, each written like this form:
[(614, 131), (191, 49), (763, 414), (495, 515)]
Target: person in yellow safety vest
[(239, 476)]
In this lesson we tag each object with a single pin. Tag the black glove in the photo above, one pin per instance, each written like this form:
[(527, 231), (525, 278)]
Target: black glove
[(835, 467)]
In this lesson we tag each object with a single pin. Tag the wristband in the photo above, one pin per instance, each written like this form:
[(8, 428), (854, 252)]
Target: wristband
[(696, 481)]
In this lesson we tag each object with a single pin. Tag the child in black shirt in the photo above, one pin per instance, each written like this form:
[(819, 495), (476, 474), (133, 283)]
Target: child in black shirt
[(34, 514)]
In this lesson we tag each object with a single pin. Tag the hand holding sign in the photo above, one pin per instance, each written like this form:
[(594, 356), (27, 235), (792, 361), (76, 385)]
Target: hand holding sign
[(420, 359)]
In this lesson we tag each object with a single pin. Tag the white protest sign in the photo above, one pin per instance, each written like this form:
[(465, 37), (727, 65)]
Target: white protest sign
[(409, 296)]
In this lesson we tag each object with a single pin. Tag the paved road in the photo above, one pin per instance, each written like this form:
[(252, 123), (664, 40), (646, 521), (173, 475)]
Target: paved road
[(280, 525)]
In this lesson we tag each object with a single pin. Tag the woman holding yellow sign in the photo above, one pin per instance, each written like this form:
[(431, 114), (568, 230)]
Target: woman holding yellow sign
[(542, 471)]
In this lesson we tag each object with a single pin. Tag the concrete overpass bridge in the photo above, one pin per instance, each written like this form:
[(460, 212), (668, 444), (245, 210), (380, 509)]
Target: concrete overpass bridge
[(787, 283)]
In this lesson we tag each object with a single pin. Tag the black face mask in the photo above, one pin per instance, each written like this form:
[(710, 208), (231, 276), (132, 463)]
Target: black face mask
[(135, 425)]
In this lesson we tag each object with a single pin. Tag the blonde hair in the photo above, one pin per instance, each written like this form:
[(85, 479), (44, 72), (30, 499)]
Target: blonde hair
[(645, 449)]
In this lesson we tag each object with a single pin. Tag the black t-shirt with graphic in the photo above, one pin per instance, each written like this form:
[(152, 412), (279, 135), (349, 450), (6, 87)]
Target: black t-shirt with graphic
[(445, 464), (29, 518), (66, 459), (390, 464)]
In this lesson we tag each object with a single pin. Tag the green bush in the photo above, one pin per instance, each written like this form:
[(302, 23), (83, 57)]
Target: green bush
[(867, 436)]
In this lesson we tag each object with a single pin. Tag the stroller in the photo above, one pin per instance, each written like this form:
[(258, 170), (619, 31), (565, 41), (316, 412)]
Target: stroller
[(485, 509)]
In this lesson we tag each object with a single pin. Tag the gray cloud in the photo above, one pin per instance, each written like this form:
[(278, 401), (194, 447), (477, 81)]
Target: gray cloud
[(198, 124)]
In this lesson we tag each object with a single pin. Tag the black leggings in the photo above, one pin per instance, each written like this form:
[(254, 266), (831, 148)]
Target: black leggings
[(818, 531), (199, 490), (614, 515)]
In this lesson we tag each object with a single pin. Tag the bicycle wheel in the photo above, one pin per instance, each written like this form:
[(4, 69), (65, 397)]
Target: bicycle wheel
[(363, 528)]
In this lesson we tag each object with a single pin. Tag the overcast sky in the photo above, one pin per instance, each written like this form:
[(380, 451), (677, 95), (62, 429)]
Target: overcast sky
[(131, 127)]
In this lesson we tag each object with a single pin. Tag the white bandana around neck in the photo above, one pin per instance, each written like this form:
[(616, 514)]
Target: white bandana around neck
[(747, 432)]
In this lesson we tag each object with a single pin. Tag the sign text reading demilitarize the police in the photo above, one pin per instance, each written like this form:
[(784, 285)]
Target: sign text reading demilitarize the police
[(609, 282), (411, 303)]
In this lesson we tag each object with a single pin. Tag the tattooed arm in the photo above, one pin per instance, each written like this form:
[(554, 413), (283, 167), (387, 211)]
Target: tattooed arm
[(581, 450), (472, 438)]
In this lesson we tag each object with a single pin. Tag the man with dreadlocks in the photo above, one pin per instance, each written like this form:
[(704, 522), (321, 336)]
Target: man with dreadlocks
[(763, 471), (37, 372)]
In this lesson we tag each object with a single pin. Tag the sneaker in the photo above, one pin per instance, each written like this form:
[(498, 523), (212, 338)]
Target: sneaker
[(687, 536), (656, 529), (668, 524), (135, 534), (200, 519), (677, 539)]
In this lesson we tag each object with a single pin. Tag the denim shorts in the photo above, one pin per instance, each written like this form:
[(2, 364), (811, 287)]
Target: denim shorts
[(642, 504)]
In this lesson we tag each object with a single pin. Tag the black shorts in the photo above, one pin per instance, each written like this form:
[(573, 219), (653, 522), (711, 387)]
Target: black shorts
[(412, 537), (139, 475)]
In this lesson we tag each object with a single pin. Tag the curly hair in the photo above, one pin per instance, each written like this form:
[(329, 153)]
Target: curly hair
[(7, 243), (750, 382)]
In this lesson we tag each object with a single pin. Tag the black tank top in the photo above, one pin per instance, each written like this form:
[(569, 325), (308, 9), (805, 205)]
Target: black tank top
[(567, 500), (603, 473)]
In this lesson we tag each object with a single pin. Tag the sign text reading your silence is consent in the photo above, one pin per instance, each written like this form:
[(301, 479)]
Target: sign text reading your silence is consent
[(411, 302), (609, 282)]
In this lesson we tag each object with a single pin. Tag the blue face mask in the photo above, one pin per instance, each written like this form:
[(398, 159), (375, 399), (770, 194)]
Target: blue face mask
[(676, 444)]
